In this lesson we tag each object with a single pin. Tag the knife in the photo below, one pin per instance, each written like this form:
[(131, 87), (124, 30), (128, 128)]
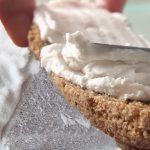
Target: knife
[(109, 47)]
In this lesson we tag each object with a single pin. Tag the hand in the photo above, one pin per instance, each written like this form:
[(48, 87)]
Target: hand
[(112, 5), (16, 16)]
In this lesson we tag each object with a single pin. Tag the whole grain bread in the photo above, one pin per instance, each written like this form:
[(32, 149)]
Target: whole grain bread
[(127, 121)]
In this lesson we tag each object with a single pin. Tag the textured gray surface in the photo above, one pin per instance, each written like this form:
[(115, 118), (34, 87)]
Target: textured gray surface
[(38, 122)]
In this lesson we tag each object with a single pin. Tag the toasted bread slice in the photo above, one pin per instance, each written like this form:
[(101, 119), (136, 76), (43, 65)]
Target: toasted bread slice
[(127, 121)]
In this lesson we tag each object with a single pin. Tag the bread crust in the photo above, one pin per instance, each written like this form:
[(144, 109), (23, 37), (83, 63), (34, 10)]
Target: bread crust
[(127, 122)]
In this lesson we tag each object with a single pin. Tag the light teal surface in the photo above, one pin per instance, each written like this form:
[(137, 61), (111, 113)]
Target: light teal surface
[(138, 13)]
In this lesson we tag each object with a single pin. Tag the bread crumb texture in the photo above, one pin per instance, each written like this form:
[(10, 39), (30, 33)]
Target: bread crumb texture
[(127, 122)]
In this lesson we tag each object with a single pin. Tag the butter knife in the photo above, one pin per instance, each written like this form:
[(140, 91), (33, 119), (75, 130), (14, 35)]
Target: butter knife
[(109, 47)]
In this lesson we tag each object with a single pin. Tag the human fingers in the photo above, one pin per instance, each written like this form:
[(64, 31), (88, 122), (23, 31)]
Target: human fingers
[(112, 5), (16, 16)]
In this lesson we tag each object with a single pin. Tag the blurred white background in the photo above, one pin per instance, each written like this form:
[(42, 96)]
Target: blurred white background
[(138, 12)]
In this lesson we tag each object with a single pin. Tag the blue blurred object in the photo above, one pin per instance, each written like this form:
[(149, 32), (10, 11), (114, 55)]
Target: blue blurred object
[(138, 12)]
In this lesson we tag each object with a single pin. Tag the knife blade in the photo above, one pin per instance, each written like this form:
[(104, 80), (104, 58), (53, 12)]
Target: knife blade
[(109, 47)]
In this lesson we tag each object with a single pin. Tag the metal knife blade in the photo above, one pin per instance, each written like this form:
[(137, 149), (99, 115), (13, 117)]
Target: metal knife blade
[(118, 47)]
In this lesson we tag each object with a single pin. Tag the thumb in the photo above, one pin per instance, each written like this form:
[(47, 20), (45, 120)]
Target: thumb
[(16, 16), (112, 5)]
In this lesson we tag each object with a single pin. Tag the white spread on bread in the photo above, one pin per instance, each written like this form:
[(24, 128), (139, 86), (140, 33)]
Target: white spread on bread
[(71, 26)]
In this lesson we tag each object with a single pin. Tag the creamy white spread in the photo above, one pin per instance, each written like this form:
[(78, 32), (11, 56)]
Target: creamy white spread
[(122, 74), (16, 66)]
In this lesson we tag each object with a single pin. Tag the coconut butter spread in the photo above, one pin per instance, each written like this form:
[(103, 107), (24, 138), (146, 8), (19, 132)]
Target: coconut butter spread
[(71, 27)]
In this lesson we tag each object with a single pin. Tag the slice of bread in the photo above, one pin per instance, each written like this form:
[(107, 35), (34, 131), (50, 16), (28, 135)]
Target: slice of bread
[(127, 121)]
